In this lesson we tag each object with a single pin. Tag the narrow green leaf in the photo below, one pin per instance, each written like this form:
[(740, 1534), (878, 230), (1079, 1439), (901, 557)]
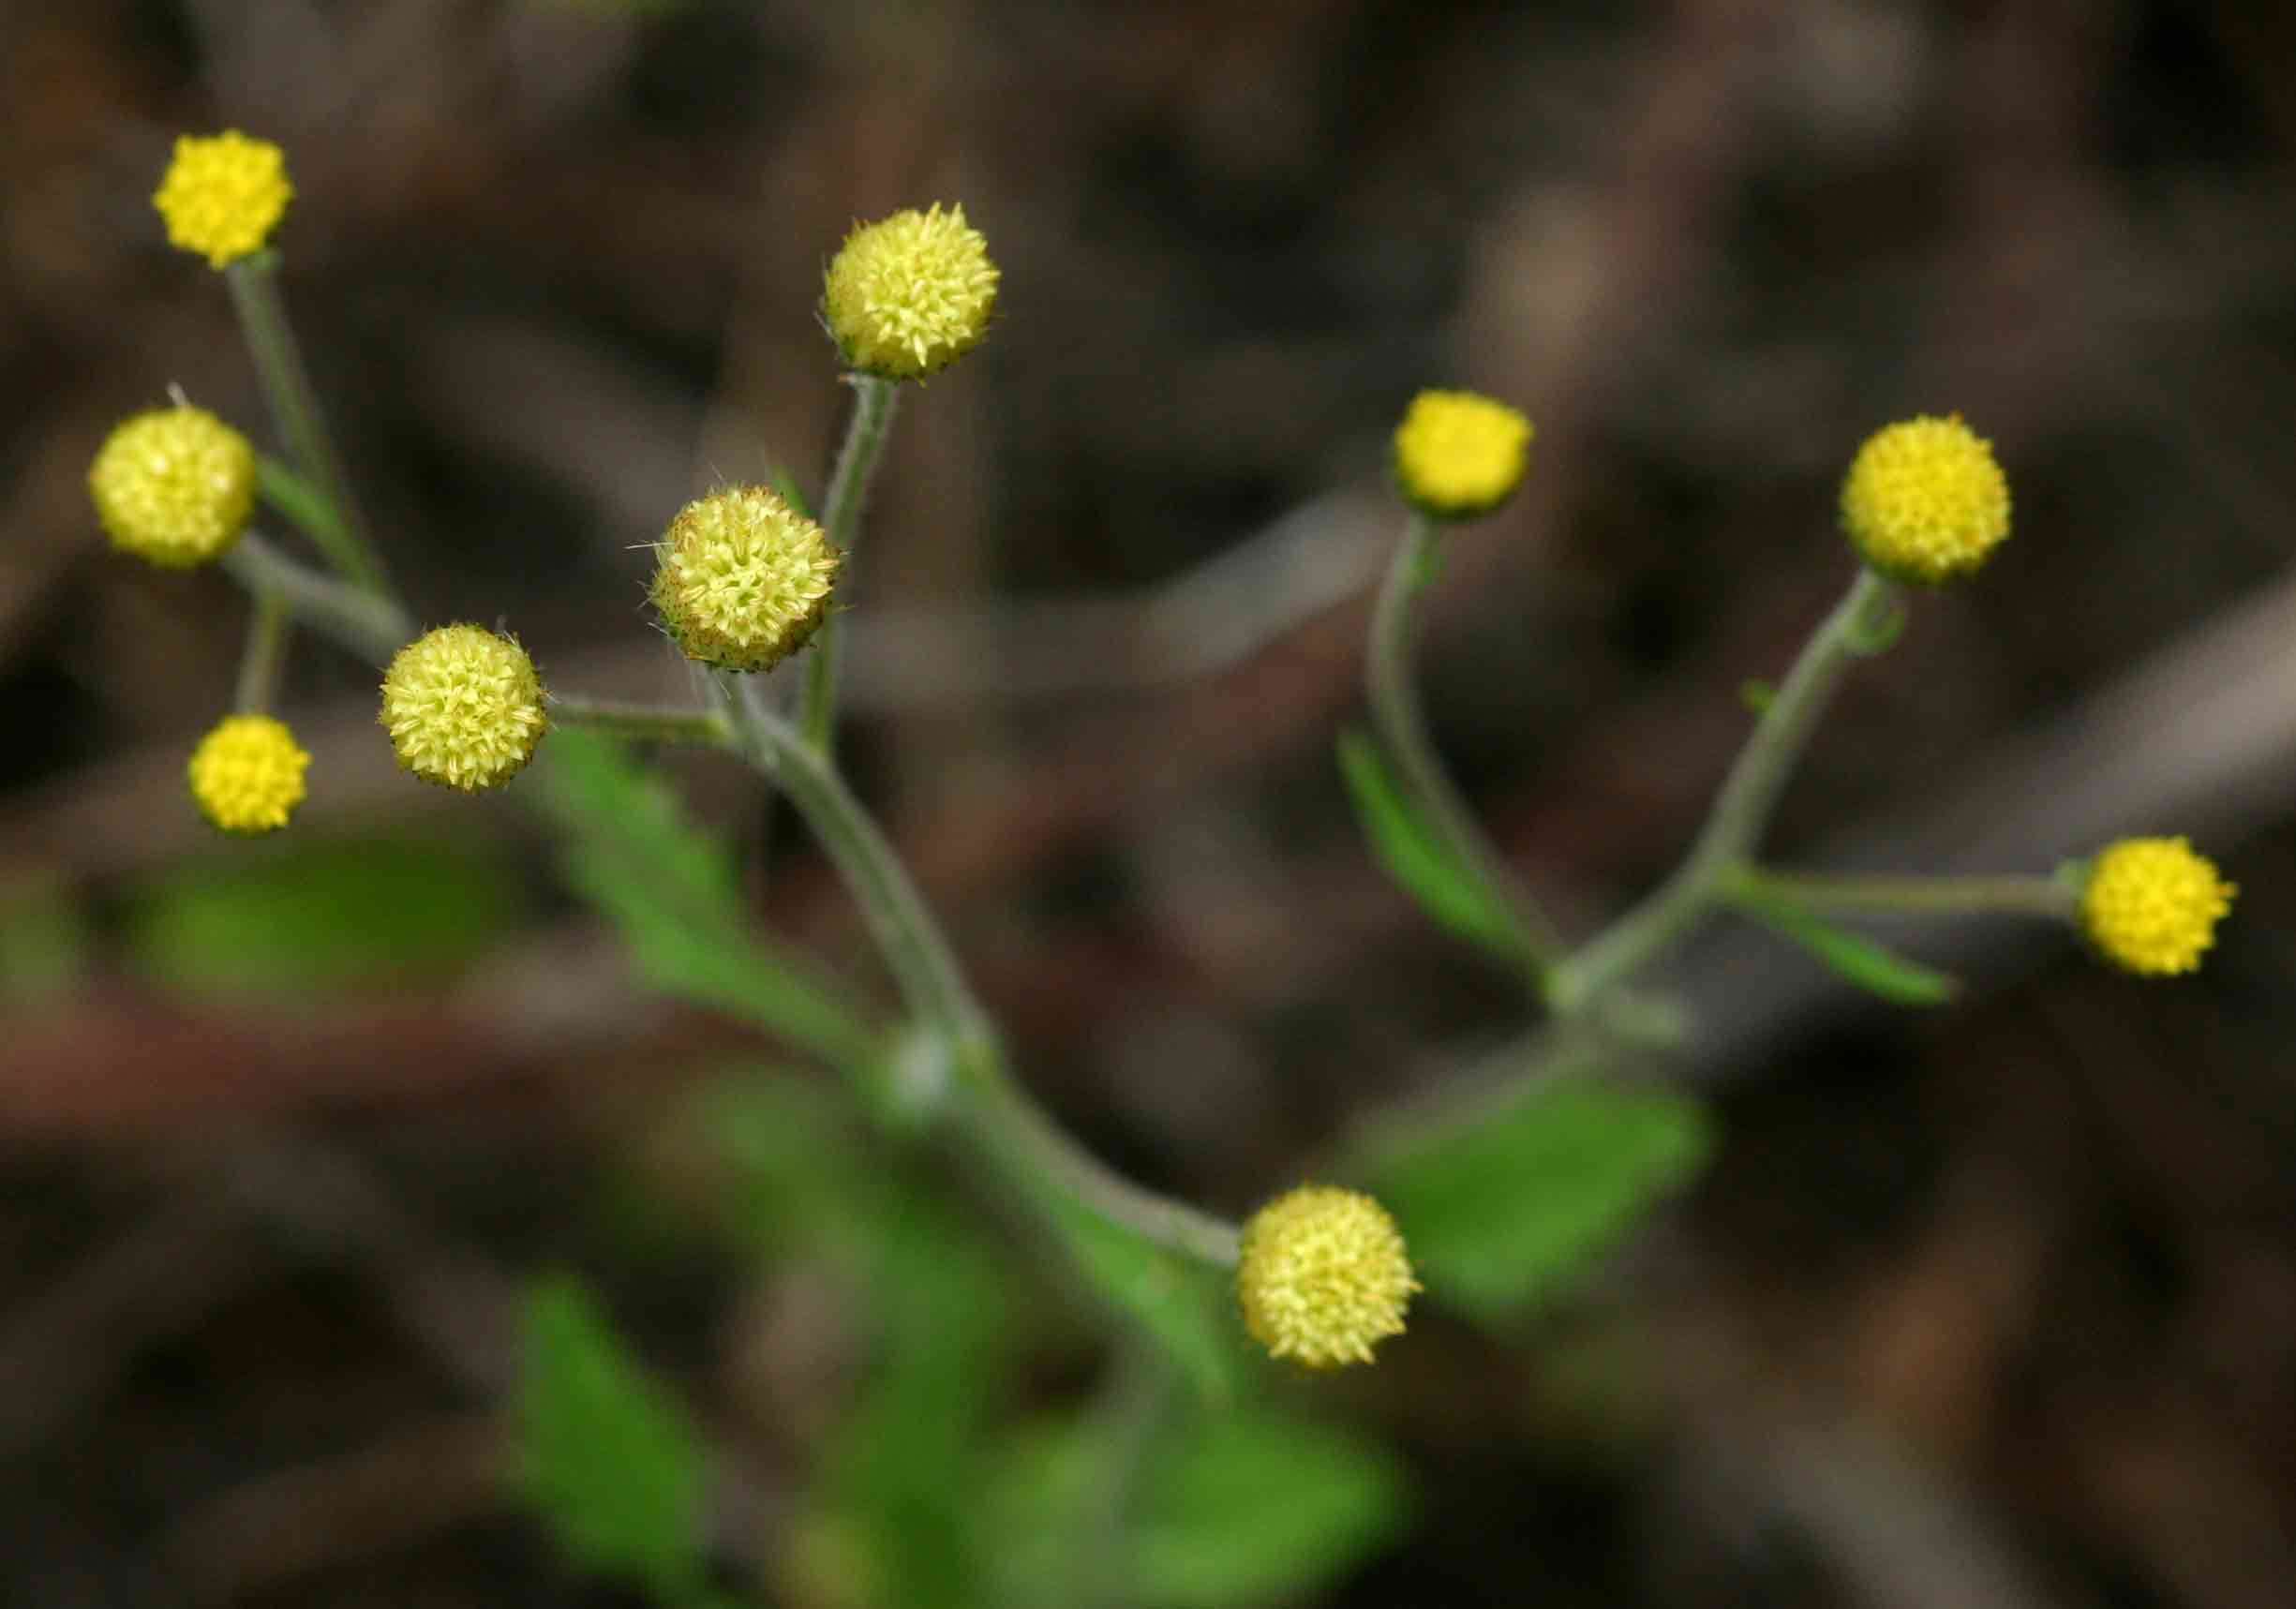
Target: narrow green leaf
[(1756, 695), (793, 494), (605, 1455), (1239, 1509), (1499, 1214), (1417, 858), (671, 891), (1187, 1307), (1857, 960)]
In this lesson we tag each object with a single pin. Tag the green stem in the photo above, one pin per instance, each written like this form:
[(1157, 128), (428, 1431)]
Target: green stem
[(994, 1112), (1887, 895), (367, 623), (303, 504), (287, 383), (1395, 713), (260, 661), (642, 723), (874, 401), (1857, 627)]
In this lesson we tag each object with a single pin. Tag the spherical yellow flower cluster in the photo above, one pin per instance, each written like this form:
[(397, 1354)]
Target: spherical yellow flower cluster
[(1925, 502), (744, 579), (463, 707), (1323, 1276), (222, 197), (910, 295), (246, 774), (2151, 905), (175, 486), (1458, 454)]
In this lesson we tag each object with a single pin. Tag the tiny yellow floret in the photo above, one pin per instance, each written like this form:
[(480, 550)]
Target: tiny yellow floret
[(1322, 1276), (2151, 905), (463, 707), (744, 579), (246, 774), (1458, 454), (174, 486), (908, 296), (223, 196), (1925, 502)]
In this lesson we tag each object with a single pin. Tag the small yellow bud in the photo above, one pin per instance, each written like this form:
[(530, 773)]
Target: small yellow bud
[(247, 774), (744, 579), (1925, 502), (2151, 905), (1322, 1276), (463, 707), (175, 486), (910, 295), (222, 197), (1458, 454)]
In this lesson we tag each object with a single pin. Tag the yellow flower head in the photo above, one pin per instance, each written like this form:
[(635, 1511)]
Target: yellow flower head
[(1458, 454), (1925, 502), (910, 295), (222, 197), (744, 579), (2151, 905), (1323, 1276), (175, 486), (463, 707), (247, 774)]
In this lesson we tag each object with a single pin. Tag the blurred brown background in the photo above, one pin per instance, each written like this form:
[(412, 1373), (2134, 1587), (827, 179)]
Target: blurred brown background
[(1991, 1305)]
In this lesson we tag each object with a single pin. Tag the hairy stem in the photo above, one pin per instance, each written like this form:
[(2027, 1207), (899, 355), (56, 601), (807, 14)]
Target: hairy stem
[(1885, 895), (367, 623), (994, 1112), (1857, 627), (269, 621), (642, 723), (1395, 713), (874, 401), (262, 315)]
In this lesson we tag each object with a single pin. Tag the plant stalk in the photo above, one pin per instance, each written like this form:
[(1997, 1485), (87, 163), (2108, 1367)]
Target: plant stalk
[(1890, 895), (269, 621), (367, 623), (994, 1112), (287, 383), (874, 402), (1856, 628), (1395, 713), (642, 723)]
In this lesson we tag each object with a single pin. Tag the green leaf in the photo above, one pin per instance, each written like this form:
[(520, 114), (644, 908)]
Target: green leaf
[(305, 916), (1217, 1509), (897, 1477), (1859, 960), (1757, 695), (1185, 1306), (786, 483), (605, 1455), (671, 889), (1498, 1214), (1241, 1509), (1416, 856)]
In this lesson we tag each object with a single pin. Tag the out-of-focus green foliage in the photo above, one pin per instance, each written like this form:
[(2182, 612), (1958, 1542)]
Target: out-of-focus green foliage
[(605, 1455), (671, 891), (1207, 1510), (308, 916), (1417, 856), (1501, 1212)]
